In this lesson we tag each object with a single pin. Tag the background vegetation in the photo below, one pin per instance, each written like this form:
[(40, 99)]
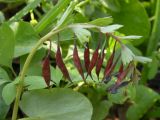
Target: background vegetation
[(33, 85)]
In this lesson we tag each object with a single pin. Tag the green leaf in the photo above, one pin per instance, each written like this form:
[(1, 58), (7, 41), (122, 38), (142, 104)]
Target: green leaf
[(35, 68), (2, 81), (25, 37), (142, 59), (2, 18), (101, 110), (7, 43), (4, 78), (126, 55), (56, 75), (25, 10), (133, 16), (9, 93), (3, 107), (68, 11), (102, 21), (82, 34), (51, 15), (128, 92), (34, 82), (3, 74), (56, 104), (110, 28), (130, 37), (153, 67), (145, 98)]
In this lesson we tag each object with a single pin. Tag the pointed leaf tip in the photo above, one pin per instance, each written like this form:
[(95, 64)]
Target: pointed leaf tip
[(110, 28)]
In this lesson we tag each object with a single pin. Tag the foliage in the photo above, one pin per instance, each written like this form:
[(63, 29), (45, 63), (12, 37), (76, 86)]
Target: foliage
[(78, 59)]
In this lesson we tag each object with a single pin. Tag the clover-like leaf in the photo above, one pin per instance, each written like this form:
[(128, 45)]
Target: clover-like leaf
[(127, 55), (110, 28), (142, 59), (82, 34), (130, 37)]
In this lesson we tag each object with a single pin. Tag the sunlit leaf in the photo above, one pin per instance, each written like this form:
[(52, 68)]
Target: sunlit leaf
[(102, 21), (126, 55), (68, 11), (130, 37), (82, 34), (110, 28), (142, 59)]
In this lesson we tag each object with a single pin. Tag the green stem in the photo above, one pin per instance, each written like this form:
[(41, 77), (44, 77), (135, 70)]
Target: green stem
[(24, 70), (153, 41), (14, 73)]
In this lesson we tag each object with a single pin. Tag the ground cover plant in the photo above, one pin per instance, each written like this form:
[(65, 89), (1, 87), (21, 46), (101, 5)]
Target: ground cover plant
[(79, 59)]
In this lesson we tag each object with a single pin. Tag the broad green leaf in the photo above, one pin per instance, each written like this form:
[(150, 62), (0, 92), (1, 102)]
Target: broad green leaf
[(142, 59), (7, 43), (82, 34), (101, 110), (51, 15), (56, 75), (3, 107), (9, 93), (130, 37), (4, 78), (145, 98), (3, 74), (2, 81), (133, 16), (68, 11), (102, 21), (56, 104), (126, 55), (34, 82), (25, 10), (110, 28), (35, 68), (65, 35), (26, 38)]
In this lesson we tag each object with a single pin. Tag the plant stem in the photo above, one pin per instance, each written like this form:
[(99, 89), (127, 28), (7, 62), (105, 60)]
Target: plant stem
[(24, 70), (153, 41), (14, 73)]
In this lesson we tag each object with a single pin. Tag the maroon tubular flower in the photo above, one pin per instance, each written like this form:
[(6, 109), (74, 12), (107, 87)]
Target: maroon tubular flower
[(77, 62), (60, 64)]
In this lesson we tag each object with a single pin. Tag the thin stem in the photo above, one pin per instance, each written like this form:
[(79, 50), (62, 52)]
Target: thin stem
[(24, 70), (14, 73), (153, 41)]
